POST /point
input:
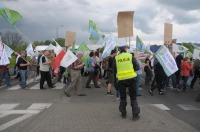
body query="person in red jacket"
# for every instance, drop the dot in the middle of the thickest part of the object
(186, 67)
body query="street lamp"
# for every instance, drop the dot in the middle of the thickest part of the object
(57, 30)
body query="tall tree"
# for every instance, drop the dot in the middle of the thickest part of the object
(12, 39)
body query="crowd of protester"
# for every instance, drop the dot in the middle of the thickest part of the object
(98, 68)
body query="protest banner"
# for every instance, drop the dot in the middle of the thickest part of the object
(166, 60)
(125, 24)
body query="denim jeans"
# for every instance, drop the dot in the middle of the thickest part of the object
(138, 78)
(7, 77)
(173, 77)
(185, 79)
(24, 77)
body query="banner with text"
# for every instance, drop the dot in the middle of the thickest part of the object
(166, 60)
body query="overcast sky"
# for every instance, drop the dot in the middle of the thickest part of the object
(42, 17)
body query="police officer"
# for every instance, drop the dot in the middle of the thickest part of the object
(125, 66)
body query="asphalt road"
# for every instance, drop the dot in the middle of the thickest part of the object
(36, 105)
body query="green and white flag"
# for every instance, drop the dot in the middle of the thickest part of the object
(166, 60)
(178, 48)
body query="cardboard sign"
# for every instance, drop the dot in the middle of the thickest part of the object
(70, 38)
(125, 24)
(168, 28)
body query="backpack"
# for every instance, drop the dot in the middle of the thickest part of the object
(105, 64)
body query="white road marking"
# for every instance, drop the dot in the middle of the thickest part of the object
(15, 121)
(8, 106)
(14, 88)
(37, 86)
(59, 86)
(161, 106)
(188, 107)
(7, 109)
(39, 106)
(20, 112)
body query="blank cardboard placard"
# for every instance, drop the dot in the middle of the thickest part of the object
(125, 24)
(168, 29)
(70, 38)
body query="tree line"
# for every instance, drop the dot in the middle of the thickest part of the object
(15, 41)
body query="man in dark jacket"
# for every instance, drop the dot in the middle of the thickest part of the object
(178, 59)
(159, 76)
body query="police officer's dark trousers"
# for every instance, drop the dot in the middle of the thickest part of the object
(131, 84)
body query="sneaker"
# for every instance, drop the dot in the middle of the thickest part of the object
(52, 87)
(27, 88)
(82, 95)
(118, 99)
(123, 115)
(151, 92)
(67, 94)
(106, 84)
(110, 94)
(161, 93)
(136, 117)
(178, 90)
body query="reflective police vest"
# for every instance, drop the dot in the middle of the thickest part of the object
(124, 66)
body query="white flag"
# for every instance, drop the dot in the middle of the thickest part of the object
(196, 54)
(1, 47)
(57, 49)
(8, 50)
(110, 45)
(50, 47)
(4, 59)
(68, 59)
(29, 50)
(178, 48)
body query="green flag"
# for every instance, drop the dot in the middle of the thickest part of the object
(194, 46)
(95, 33)
(10, 15)
(141, 47)
(83, 47)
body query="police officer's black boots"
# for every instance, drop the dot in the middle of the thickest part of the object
(135, 110)
(122, 108)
